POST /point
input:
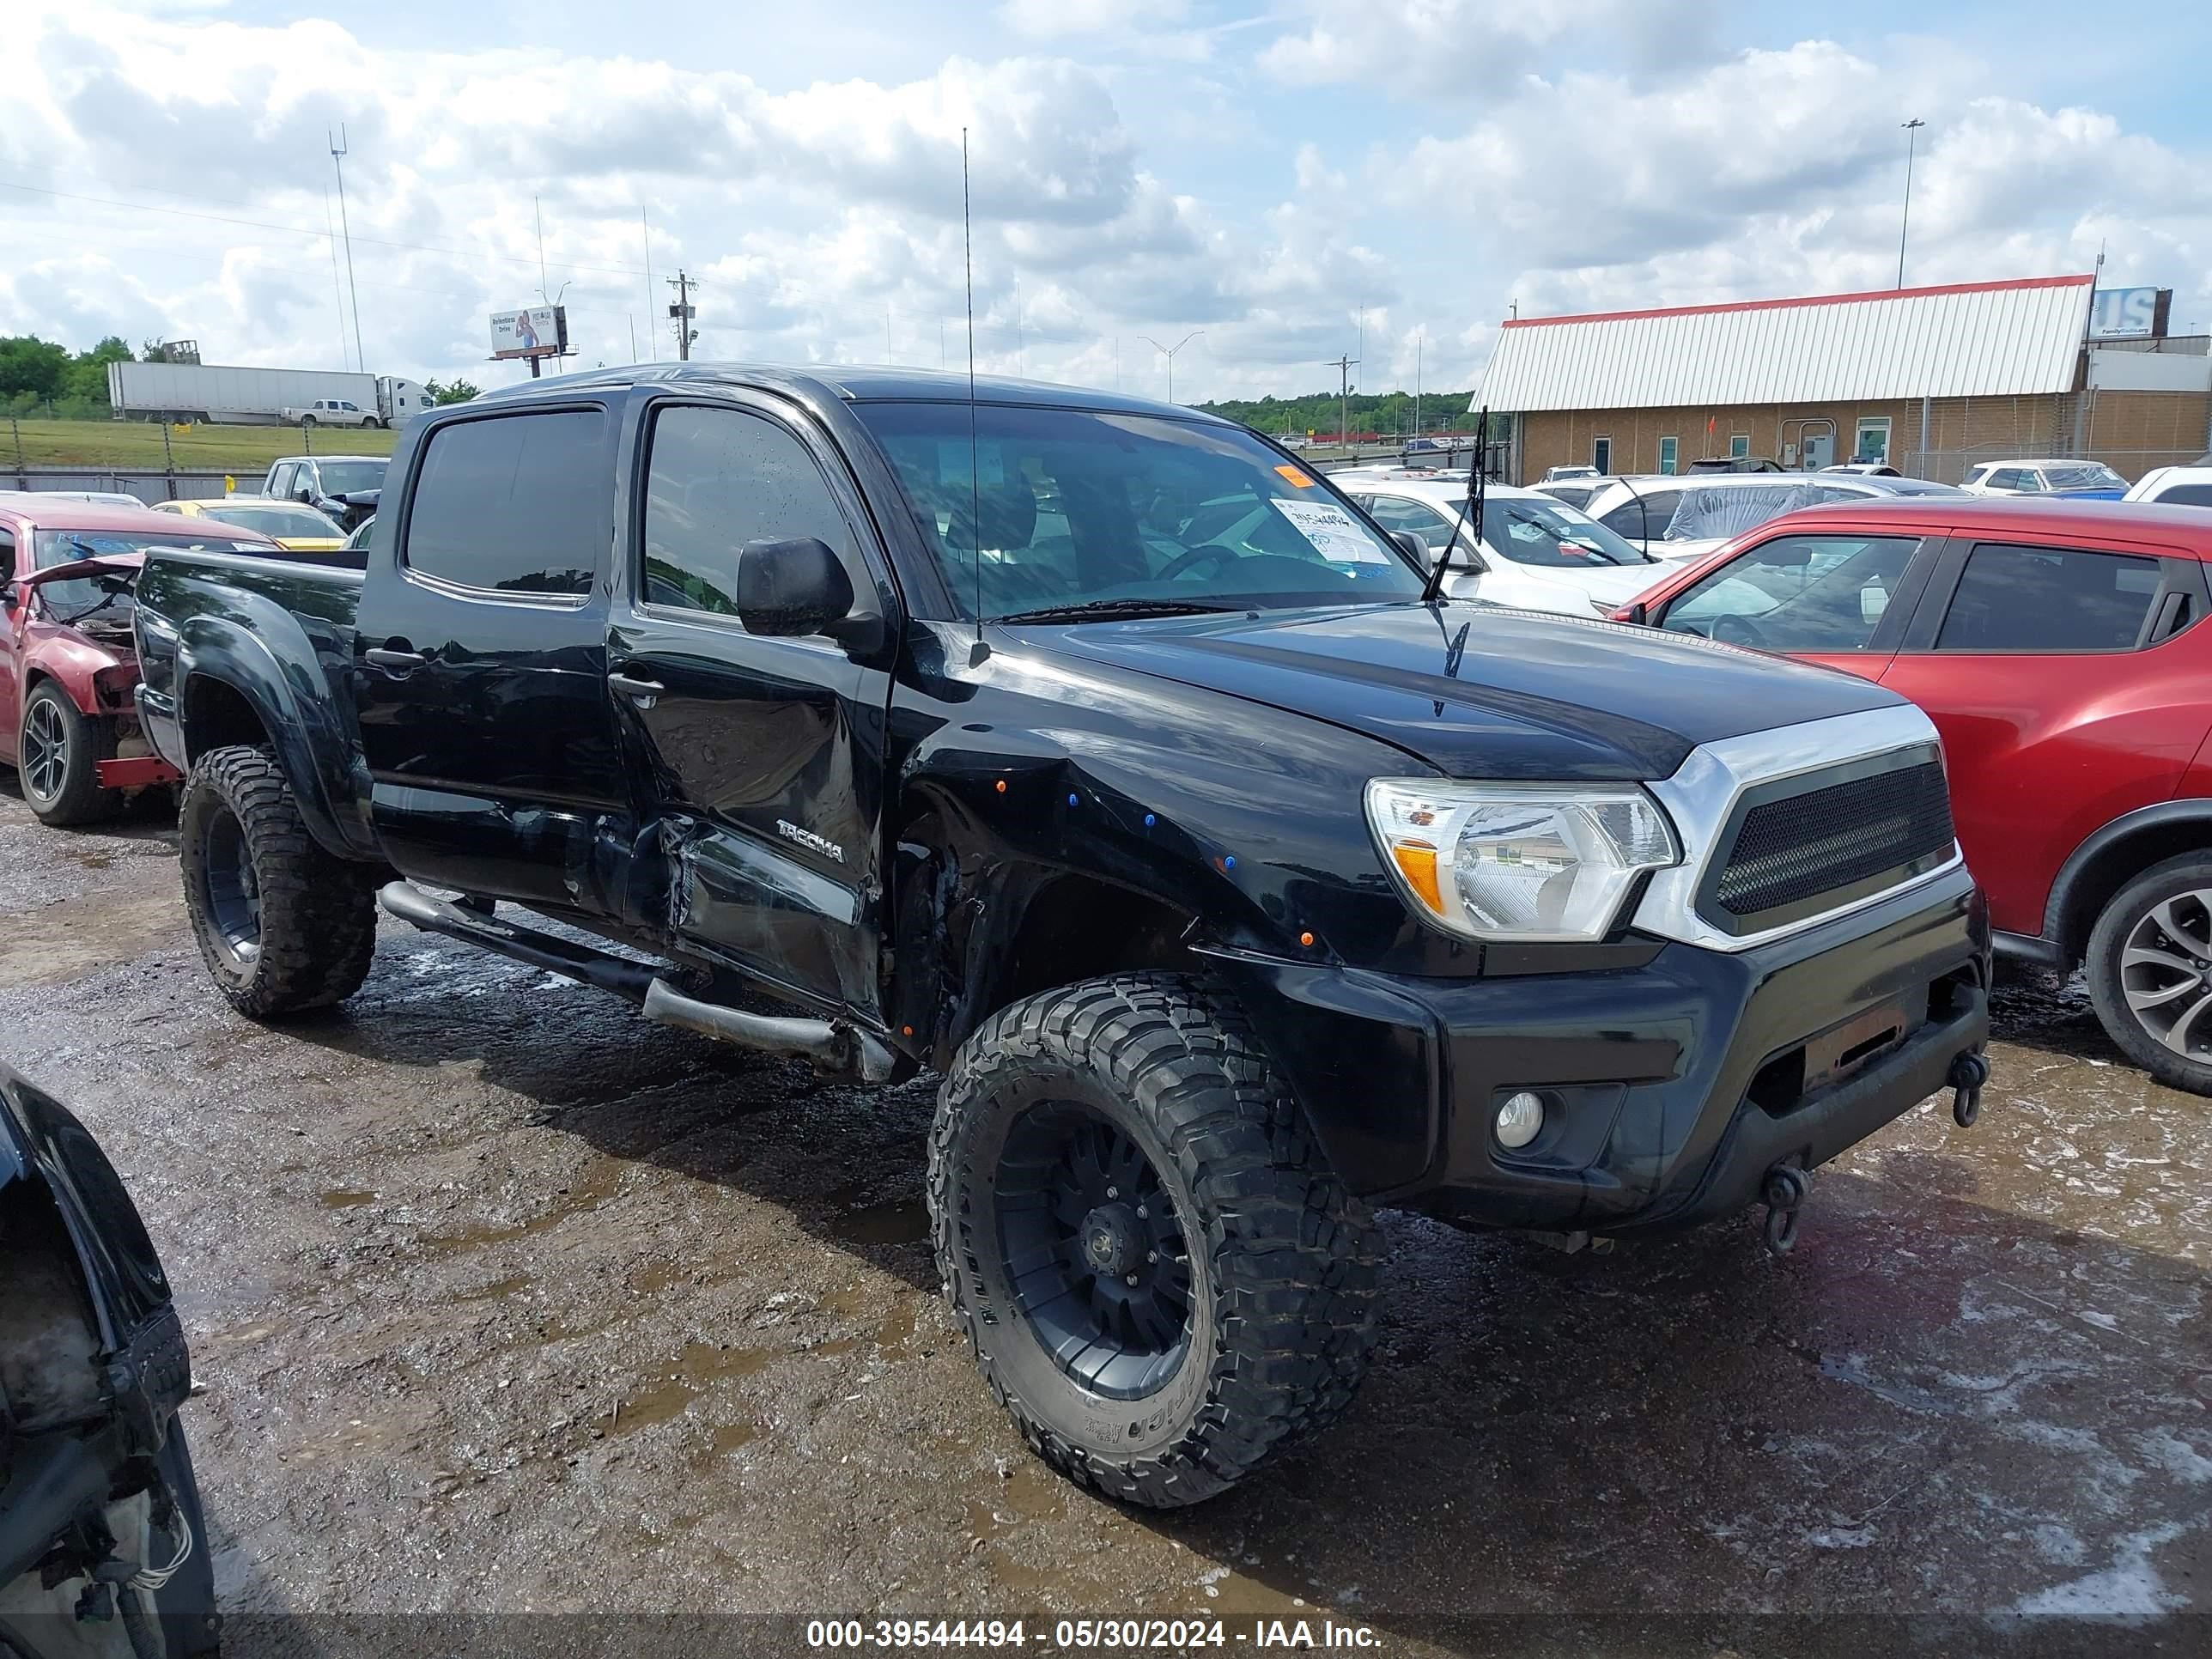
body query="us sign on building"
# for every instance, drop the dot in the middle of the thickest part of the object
(2119, 313)
(535, 331)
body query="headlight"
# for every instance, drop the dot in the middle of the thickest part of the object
(1524, 861)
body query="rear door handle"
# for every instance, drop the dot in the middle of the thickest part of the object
(395, 662)
(643, 689)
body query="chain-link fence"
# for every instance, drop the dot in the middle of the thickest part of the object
(147, 487)
(2130, 431)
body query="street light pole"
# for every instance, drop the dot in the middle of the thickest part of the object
(1912, 140)
(1170, 354)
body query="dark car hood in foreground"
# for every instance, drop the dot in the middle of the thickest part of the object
(1481, 692)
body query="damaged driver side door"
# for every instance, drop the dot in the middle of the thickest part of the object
(757, 761)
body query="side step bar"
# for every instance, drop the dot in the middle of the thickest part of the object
(836, 1047)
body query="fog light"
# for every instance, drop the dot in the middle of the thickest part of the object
(1520, 1118)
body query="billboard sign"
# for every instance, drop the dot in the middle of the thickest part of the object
(2119, 313)
(535, 331)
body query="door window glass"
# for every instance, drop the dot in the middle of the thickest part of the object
(2186, 494)
(1601, 454)
(1873, 439)
(2049, 598)
(517, 504)
(1396, 513)
(1798, 593)
(719, 478)
(1738, 444)
(1670, 453)
(1644, 517)
(280, 481)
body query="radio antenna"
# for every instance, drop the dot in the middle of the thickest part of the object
(974, 464)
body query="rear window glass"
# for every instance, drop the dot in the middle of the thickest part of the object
(2048, 598)
(2185, 495)
(516, 504)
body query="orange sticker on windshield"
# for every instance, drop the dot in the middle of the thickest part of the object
(1297, 479)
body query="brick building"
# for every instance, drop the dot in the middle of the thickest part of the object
(1931, 379)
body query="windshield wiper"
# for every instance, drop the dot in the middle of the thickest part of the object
(1099, 610)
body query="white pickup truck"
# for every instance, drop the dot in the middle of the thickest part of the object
(333, 411)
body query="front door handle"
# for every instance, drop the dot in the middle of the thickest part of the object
(644, 690)
(395, 662)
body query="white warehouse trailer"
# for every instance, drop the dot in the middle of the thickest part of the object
(252, 397)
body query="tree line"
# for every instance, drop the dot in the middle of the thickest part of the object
(1324, 412)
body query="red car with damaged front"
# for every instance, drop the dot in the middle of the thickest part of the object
(68, 666)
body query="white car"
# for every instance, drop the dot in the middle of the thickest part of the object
(1560, 474)
(333, 411)
(2177, 486)
(1680, 518)
(1536, 554)
(2069, 480)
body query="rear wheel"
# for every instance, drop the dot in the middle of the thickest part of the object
(2150, 971)
(1163, 1280)
(281, 925)
(309, 420)
(58, 755)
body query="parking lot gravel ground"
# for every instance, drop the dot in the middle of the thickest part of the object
(506, 1300)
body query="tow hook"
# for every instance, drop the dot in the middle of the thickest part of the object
(1969, 1072)
(1787, 1189)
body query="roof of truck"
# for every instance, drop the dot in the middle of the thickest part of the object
(854, 383)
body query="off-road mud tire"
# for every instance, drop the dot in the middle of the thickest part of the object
(1283, 1260)
(317, 914)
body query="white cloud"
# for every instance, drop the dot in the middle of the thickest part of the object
(1577, 155)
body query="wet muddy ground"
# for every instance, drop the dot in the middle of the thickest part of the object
(506, 1299)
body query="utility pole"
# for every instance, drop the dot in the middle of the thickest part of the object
(338, 151)
(338, 289)
(646, 230)
(1912, 140)
(1343, 366)
(682, 310)
(1171, 355)
(1419, 340)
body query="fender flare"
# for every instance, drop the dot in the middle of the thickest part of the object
(2101, 840)
(311, 747)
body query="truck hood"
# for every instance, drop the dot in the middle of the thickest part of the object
(1481, 692)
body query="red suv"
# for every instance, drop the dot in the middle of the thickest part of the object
(2060, 649)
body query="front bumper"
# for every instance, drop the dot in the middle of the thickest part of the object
(1669, 1081)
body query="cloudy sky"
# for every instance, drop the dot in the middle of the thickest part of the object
(1258, 170)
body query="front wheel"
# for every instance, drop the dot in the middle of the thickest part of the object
(281, 925)
(2150, 971)
(1161, 1278)
(58, 756)
(372, 423)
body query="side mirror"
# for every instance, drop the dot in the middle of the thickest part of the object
(304, 495)
(797, 586)
(1640, 614)
(10, 595)
(1414, 547)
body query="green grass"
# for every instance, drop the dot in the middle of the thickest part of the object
(135, 445)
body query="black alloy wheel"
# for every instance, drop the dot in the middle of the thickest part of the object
(1094, 1249)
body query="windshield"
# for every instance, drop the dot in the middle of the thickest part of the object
(1538, 533)
(301, 523)
(1079, 508)
(344, 477)
(2092, 476)
(65, 600)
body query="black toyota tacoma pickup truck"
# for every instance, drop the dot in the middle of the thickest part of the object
(1099, 755)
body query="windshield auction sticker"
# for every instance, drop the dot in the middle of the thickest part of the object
(1335, 533)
